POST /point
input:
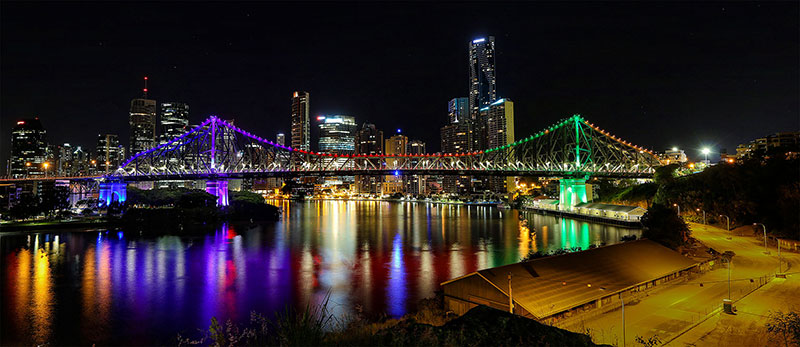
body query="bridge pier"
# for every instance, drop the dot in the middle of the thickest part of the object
(572, 192)
(218, 188)
(111, 191)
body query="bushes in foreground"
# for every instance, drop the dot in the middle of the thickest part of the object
(481, 326)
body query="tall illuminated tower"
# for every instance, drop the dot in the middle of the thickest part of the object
(301, 136)
(482, 82)
(143, 123)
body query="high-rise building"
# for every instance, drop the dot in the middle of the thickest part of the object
(482, 83)
(280, 139)
(499, 120)
(397, 144)
(301, 136)
(458, 110)
(143, 125)
(64, 160)
(337, 134)
(174, 120)
(369, 140)
(108, 153)
(415, 184)
(29, 150)
(455, 138)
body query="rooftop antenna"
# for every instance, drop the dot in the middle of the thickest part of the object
(145, 87)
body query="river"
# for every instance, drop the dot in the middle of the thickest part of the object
(116, 287)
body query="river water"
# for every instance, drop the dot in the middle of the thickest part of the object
(116, 287)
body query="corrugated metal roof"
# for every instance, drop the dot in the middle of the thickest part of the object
(550, 285)
(608, 207)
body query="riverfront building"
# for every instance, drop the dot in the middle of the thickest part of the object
(28, 149)
(174, 120)
(301, 137)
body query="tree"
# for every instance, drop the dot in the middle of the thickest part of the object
(663, 225)
(55, 199)
(785, 325)
(27, 206)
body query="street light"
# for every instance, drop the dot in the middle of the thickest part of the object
(679, 209)
(729, 221)
(766, 251)
(705, 152)
(704, 215)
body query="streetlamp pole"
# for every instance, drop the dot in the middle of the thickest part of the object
(729, 221)
(729, 277)
(766, 250)
(623, 318)
(679, 209)
(704, 215)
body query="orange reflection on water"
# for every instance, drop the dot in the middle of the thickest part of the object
(23, 285)
(42, 297)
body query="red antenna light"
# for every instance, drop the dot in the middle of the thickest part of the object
(145, 87)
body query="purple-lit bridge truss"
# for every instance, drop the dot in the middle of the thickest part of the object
(571, 148)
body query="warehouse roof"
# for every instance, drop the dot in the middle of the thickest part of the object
(547, 286)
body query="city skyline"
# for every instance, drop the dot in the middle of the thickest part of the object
(423, 111)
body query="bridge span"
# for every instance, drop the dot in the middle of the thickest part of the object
(217, 151)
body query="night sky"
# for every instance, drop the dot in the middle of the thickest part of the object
(656, 74)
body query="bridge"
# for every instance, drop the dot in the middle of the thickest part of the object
(216, 151)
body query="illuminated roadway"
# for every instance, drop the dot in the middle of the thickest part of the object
(671, 312)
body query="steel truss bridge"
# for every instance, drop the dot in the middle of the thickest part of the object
(573, 147)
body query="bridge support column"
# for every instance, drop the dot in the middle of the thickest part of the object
(111, 191)
(218, 188)
(572, 192)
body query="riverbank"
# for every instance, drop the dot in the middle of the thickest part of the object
(458, 203)
(595, 219)
(90, 222)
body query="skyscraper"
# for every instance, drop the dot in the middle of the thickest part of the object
(174, 120)
(415, 184)
(29, 150)
(108, 154)
(482, 83)
(143, 125)
(301, 138)
(499, 118)
(369, 140)
(455, 138)
(337, 134)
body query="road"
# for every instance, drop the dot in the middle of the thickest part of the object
(671, 313)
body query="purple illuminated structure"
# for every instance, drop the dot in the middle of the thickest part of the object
(218, 188)
(111, 191)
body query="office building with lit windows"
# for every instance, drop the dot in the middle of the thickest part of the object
(301, 137)
(482, 83)
(174, 120)
(108, 153)
(369, 141)
(142, 125)
(397, 144)
(28, 149)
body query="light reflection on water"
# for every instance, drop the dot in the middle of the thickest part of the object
(116, 287)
